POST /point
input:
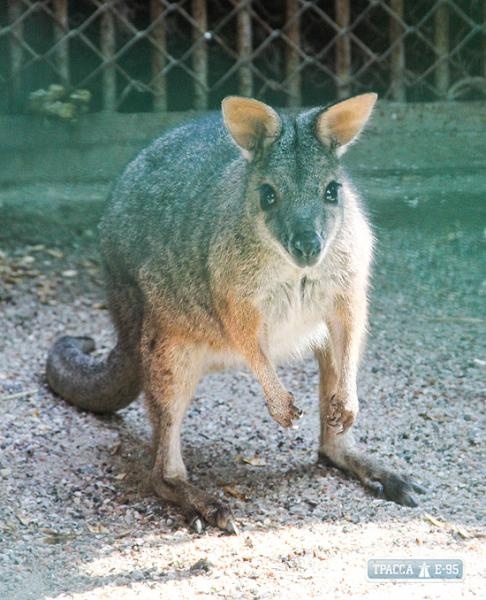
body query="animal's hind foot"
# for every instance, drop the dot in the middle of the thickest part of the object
(382, 482)
(214, 513)
(399, 489)
(198, 525)
(199, 508)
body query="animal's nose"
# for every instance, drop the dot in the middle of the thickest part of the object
(306, 246)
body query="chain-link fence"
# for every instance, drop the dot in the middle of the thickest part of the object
(161, 55)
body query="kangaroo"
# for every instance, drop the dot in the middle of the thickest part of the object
(227, 242)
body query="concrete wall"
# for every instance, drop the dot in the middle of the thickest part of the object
(418, 138)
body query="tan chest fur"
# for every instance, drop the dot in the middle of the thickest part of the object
(294, 316)
(293, 319)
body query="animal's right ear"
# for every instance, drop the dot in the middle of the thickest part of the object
(252, 124)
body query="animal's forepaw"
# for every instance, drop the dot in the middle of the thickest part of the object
(341, 414)
(284, 410)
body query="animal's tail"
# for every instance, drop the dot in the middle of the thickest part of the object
(96, 385)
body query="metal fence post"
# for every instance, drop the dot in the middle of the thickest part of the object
(397, 56)
(61, 29)
(200, 54)
(158, 54)
(108, 49)
(292, 57)
(343, 49)
(244, 48)
(441, 44)
(16, 51)
(483, 49)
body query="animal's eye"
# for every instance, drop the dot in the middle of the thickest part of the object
(331, 193)
(268, 196)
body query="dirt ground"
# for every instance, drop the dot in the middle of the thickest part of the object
(77, 518)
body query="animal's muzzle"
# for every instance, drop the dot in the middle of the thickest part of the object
(306, 247)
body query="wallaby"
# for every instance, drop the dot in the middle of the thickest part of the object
(227, 242)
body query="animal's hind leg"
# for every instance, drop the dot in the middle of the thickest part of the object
(171, 372)
(339, 449)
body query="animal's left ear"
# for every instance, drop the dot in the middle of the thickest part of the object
(339, 125)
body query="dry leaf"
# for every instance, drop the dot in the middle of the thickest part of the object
(23, 520)
(463, 533)
(99, 306)
(44, 291)
(433, 520)
(56, 537)
(55, 253)
(231, 490)
(97, 528)
(254, 461)
(115, 448)
(18, 395)
(451, 527)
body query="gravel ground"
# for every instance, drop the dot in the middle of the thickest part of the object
(77, 518)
